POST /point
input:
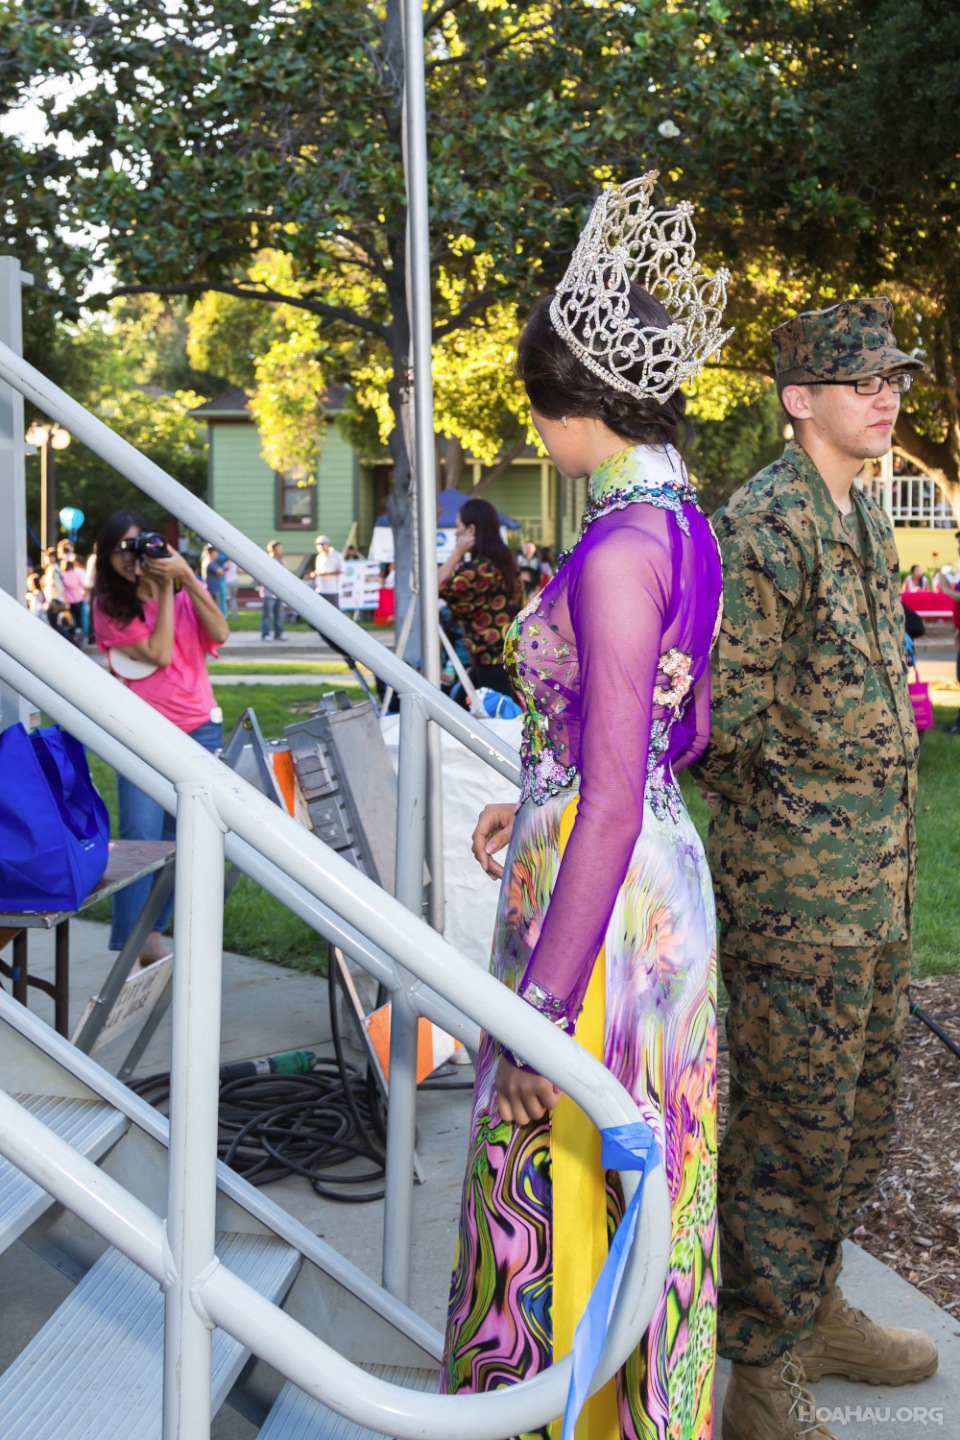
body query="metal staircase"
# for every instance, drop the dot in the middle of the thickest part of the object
(191, 1286)
(94, 1371)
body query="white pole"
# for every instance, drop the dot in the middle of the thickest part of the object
(194, 1100)
(402, 1090)
(13, 530)
(418, 269)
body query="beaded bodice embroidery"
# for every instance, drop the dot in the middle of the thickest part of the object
(540, 648)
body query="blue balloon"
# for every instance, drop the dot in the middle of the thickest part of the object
(71, 519)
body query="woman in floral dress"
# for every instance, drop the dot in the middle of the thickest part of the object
(482, 586)
(611, 663)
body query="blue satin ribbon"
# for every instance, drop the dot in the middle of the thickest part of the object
(624, 1147)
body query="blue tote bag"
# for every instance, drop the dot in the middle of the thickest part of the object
(54, 826)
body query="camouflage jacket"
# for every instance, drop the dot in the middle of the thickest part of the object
(813, 743)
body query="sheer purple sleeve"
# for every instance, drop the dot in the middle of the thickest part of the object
(619, 597)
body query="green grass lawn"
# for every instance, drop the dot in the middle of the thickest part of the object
(936, 932)
(256, 924)
(274, 667)
(249, 620)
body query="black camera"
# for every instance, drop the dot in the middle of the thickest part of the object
(148, 545)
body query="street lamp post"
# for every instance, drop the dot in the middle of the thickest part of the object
(48, 439)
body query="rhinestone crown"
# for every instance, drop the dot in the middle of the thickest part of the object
(627, 240)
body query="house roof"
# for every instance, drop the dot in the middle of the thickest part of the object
(235, 405)
(231, 403)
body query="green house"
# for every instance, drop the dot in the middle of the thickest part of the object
(266, 505)
(348, 493)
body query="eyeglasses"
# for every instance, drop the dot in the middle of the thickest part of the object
(871, 384)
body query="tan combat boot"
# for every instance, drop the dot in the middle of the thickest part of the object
(846, 1342)
(770, 1402)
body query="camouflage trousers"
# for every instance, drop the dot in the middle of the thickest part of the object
(815, 1035)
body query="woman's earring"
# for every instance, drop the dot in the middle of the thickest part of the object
(563, 421)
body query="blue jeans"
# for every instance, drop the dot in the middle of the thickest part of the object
(143, 819)
(271, 615)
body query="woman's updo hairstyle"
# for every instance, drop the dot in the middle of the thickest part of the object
(559, 384)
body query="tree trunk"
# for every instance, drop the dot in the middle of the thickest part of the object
(938, 458)
(454, 461)
(503, 464)
(402, 519)
(399, 510)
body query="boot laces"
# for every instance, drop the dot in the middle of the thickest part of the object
(801, 1400)
(851, 1314)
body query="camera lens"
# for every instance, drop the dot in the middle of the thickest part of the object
(153, 547)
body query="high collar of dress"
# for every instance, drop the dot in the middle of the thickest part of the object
(641, 467)
(654, 474)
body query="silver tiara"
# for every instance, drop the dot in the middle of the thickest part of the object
(626, 240)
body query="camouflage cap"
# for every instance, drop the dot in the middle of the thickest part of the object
(847, 342)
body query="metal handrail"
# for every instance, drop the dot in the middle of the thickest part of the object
(256, 1202)
(192, 511)
(212, 800)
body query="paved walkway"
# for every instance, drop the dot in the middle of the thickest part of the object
(269, 1009)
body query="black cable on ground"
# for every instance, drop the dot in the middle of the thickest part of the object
(932, 1025)
(317, 1126)
(328, 1126)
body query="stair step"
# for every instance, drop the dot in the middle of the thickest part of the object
(297, 1416)
(95, 1370)
(90, 1126)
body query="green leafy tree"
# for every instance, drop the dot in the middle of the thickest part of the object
(903, 99)
(733, 445)
(207, 134)
(873, 86)
(128, 367)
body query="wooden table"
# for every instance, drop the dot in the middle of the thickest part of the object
(130, 860)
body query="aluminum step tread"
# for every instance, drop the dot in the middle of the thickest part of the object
(90, 1126)
(297, 1416)
(95, 1370)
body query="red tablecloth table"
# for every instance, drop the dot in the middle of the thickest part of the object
(929, 603)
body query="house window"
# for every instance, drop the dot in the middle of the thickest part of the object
(296, 502)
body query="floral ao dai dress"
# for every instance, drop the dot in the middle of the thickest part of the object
(611, 660)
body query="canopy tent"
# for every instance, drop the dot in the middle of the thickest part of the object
(448, 508)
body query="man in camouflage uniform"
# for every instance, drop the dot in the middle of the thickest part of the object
(812, 761)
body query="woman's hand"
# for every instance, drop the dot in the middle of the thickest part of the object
(493, 831)
(166, 569)
(211, 617)
(465, 542)
(522, 1097)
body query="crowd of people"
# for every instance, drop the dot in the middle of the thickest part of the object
(59, 590)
